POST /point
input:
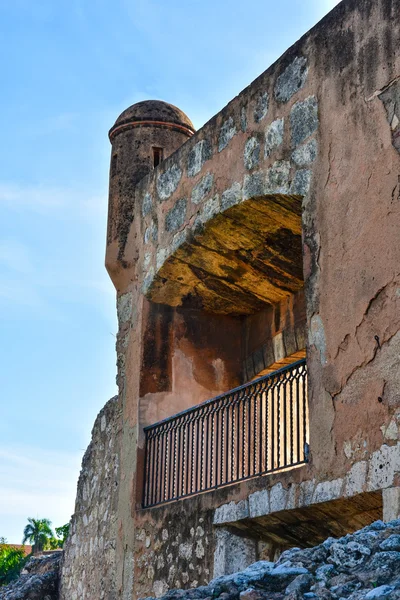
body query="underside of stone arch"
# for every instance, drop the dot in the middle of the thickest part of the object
(239, 262)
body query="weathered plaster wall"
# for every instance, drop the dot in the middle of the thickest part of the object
(321, 124)
(88, 568)
(273, 334)
(188, 357)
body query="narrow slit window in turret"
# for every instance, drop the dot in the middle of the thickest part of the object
(158, 156)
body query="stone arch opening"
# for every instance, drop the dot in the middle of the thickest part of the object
(243, 259)
(224, 309)
(239, 277)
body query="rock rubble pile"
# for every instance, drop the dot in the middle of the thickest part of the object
(363, 565)
(39, 580)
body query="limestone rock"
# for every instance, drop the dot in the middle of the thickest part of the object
(38, 581)
(361, 566)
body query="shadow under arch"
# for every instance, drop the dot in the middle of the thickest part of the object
(226, 307)
(237, 263)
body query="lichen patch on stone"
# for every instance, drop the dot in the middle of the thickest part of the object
(304, 120)
(200, 153)
(251, 153)
(228, 130)
(274, 136)
(261, 107)
(291, 80)
(231, 196)
(175, 217)
(305, 154)
(168, 182)
(277, 179)
(203, 188)
(147, 204)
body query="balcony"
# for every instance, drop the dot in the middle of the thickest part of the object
(256, 429)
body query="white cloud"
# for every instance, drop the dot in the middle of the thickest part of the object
(20, 293)
(37, 197)
(36, 483)
(37, 277)
(65, 202)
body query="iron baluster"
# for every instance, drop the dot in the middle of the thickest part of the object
(230, 438)
(285, 423)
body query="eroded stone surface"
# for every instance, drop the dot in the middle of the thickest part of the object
(252, 153)
(124, 307)
(39, 580)
(243, 118)
(261, 107)
(203, 188)
(278, 498)
(291, 80)
(274, 136)
(231, 512)
(209, 209)
(354, 566)
(168, 182)
(147, 204)
(391, 100)
(175, 217)
(304, 120)
(259, 503)
(228, 130)
(301, 182)
(231, 196)
(90, 547)
(151, 233)
(254, 185)
(356, 478)
(232, 552)
(391, 503)
(199, 154)
(385, 462)
(328, 490)
(305, 154)
(277, 179)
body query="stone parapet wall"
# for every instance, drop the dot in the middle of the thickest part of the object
(264, 142)
(88, 567)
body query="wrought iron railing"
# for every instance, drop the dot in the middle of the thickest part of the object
(258, 428)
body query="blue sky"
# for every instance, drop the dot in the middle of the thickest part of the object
(68, 69)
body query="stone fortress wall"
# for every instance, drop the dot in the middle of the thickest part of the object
(89, 554)
(307, 158)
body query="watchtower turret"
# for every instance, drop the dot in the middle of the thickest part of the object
(143, 136)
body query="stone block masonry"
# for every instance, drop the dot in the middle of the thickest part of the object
(88, 568)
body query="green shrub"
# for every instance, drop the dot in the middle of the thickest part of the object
(12, 561)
